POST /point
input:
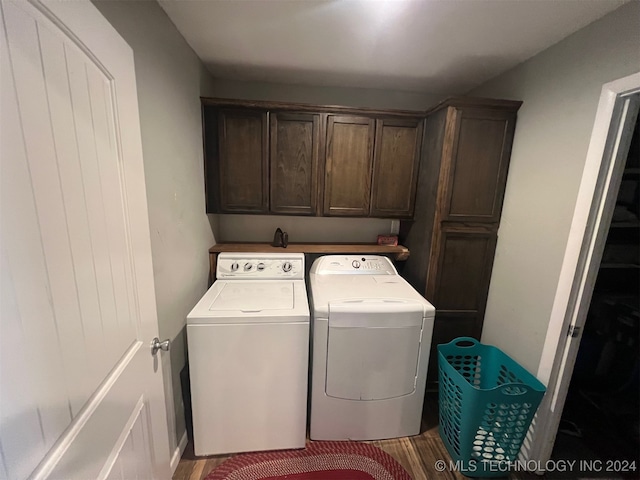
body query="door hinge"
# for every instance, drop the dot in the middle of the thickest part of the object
(574, 331)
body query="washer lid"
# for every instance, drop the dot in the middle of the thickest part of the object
(252, 301)
(248, 296)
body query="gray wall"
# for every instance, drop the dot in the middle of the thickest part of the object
(260, 228)
(257, 228)
(170, 80)
(351, 97)
(560, 88)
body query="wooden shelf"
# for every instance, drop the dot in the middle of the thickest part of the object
(399, 252)
(627, 224)
(619, 265)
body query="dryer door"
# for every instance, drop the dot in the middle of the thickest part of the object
(373, 348)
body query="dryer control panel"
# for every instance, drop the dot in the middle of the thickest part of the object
(353, 264)
(260, 266)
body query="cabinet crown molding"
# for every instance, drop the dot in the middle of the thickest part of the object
(458, 102)
(476, 102)
(308, 107)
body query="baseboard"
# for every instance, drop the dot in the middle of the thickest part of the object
(177, 454)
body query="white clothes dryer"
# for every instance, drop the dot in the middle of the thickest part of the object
(248, 344)
(370, 350)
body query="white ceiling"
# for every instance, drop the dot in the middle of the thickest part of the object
(431, 46)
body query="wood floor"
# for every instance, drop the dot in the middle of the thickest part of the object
(416, 454)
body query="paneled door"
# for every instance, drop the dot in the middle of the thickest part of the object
(395, 169)
(244, 176)
(477, 173)
(295, 140)
(458, 283)
(81, 394)
(349, 158)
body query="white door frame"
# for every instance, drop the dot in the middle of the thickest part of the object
(591, 219)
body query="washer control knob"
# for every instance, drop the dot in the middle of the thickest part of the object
(286, 266)
(234, 266)
(355, 264)
(248, 267)
(260, 267)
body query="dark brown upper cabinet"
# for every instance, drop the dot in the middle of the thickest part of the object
(298, 159)
(294, 153)
(395, 167)
(243, 161)
(477, 170)
(348, 167)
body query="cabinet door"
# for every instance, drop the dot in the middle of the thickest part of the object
(461, 262)
(210, 130)
(477, 170)
(458, 282)
(294, 162)
(244, 176)
(397, 152)
(348, 165)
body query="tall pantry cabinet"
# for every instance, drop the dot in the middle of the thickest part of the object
(453, 236)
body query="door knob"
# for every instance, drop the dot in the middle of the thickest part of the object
(156, 345)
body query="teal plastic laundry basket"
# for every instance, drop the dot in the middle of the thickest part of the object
(487, 402)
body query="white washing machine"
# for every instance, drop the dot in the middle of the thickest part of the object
(248, 341)
(371, 340)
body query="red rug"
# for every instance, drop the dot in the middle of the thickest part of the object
(318, 461)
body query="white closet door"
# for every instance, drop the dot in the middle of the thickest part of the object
(81, 395)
